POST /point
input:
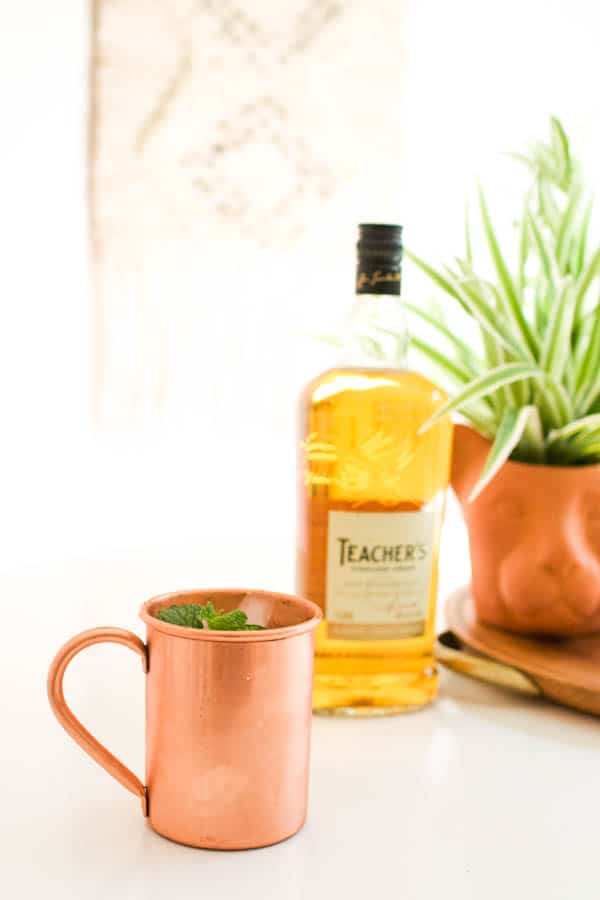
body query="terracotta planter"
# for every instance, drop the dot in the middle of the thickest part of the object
(534, 533)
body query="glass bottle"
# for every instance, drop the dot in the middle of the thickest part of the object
(371, 503)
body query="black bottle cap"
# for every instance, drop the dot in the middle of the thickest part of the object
(379, 269)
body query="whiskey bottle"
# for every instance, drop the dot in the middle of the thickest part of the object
(371, 502)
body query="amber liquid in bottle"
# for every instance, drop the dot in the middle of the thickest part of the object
(371, 502)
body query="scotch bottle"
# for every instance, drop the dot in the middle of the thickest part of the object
(371, 502)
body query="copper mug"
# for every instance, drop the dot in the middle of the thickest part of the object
(228, 719)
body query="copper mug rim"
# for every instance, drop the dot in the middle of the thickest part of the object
(274, 633)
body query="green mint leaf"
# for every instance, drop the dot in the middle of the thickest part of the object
(188, 615)
(236, 620)
(207, 611)
(191, 615)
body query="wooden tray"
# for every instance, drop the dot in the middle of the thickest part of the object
(565, 671)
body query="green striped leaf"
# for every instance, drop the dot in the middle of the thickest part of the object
(583, 283)
(495, 356)
(468, 246)
(545, 251)
(548, 208)
(486, 314)
(586, 375)
(510, 430)
(563, 238)
(532, 444)
(541, 305)
(560, 144)
(558, 401)
(451, 367)
(481, 413)
(436, 276)
(581, 243)
(586, 424)
(485, 425)
(576, 449)
(585, 318)
(556, 348)
(508, 288)
(484, 385)
(524, 246)
(590, 397)
(466, 355)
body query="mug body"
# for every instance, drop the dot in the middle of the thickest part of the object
(228, 719)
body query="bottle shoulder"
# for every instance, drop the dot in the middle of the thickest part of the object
(348, 379)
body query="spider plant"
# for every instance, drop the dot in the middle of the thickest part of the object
(531, 382)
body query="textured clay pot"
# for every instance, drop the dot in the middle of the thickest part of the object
(534, 534)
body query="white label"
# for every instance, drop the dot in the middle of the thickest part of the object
(378, 573)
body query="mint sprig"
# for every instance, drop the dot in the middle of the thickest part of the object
(191, 615)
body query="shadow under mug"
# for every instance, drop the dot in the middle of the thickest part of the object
(228, 719)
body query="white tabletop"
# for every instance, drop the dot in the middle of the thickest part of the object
(484, 795)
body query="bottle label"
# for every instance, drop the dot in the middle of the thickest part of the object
(378, 574)
(374, 279)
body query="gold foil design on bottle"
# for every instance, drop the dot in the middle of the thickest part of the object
(368, 471)
(373, 279)
(371, 470)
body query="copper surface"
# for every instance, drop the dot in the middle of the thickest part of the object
(228, 719)
(71, 723)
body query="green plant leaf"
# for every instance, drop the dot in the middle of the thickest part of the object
(576, 454)
(508, 288)
(541, 342)
(509, 433)
(556, 348)
(468, 358)
(560, 144)
(477, 301)
(583, 283)
(484, 385)
(545, 251)
(522, 158)
(585, 317)
(586, 376)
(468, 246)
(589, 398)
(575, 449)
(532, 445)
(581, 243)
(482, 423)
(548, 208)
(565, 232)
(453, 368)
(524, 246)
(435, 276)
(586, 424)
(554, 402)
(515, 394)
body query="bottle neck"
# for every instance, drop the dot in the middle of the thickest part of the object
(376, 333)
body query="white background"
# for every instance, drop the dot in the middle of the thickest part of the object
(480, 78)
(93, 517)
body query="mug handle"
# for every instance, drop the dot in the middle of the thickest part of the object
(71, 723)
